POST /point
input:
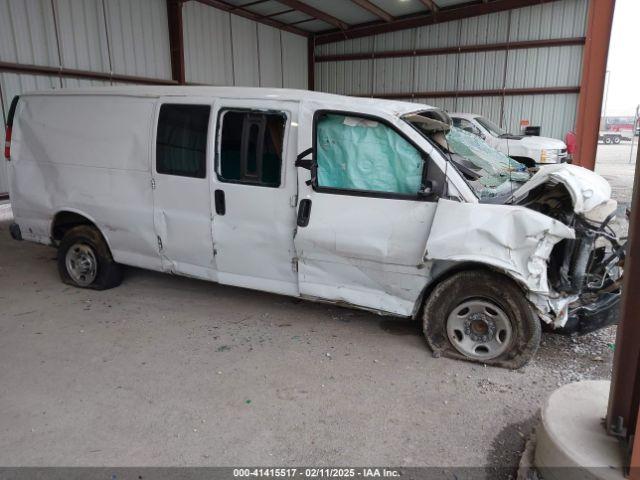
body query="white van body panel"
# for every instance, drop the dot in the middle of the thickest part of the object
(182, 209)
(254, 239)
(75, 153)
(92, 152)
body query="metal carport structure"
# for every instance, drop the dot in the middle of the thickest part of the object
(506, 59)
(46, 43)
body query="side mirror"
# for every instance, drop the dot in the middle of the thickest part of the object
(429, 189)
(306, 163)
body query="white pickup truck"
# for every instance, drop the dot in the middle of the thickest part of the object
(529, 150)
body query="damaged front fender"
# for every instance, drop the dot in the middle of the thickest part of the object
(516, 240)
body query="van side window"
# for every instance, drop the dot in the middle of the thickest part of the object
(361, 154)
(181, 144)
(250, 147)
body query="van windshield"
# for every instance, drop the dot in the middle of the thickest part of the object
(491, 174)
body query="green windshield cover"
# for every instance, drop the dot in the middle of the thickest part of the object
(355, 153)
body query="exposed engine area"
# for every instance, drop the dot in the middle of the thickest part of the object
(591, 265)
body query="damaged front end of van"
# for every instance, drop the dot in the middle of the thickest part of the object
(584, 273)
(552, 230)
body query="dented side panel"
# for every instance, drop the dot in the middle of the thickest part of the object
(365, 251)
(253, 239)
(182, 209)
(514, 239)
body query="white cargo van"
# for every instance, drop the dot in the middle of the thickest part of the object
(375, 204)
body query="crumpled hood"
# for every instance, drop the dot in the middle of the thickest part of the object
(588, 190)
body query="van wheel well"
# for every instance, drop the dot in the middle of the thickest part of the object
(442, 276)
(65, 221)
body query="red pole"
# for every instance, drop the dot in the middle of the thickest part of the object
(594, 68)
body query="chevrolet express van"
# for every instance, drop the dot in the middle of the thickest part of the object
(369, 203)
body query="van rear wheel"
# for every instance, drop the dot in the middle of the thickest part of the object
(84, 260)
(481, 316)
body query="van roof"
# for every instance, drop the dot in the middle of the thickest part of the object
(388, 106)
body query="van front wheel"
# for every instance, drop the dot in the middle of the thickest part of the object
(84, 260)
(481, 316)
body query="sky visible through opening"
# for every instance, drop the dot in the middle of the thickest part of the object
(623, 95)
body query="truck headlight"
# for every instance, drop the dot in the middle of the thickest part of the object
(550, 156)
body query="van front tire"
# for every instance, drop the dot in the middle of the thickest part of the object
(481, 316)
(84, 260)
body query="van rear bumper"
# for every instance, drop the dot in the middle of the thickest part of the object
(14, 230)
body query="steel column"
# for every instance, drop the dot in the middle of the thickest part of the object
(634, 462)
(624, 397)
(311, 63)
(594, 67)
(176, 40)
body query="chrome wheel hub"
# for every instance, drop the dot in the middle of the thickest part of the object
(81, 264)
(479, 329)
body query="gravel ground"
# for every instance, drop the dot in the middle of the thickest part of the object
(172, 371)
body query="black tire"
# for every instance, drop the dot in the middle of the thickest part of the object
(607, 140)
(616, 140)
(108, 274)
(488, 288)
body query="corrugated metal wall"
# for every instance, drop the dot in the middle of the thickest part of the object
(119, 36)
(131, 38)
(225, 49)
(532, 68)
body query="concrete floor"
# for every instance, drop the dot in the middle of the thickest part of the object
(171, 371)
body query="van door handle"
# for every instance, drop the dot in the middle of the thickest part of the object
(304, 212)
(221, 206)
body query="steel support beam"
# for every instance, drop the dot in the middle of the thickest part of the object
(241, 11)
(73, 73)
(374, 9)
(176, 40)
(411, 21)
(314, 12)
(594, 68)
(475, 93)
(427, 52)
(430, 4)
